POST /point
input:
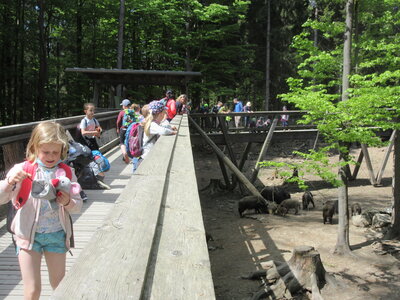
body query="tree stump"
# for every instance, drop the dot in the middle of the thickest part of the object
(303, 272)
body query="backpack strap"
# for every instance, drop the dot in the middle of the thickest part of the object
(26, 185)
(67, 169)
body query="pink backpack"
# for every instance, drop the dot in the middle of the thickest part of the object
(135, 140)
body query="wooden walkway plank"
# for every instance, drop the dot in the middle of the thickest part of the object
(85, 224)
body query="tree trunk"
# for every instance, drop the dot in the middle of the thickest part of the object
(58, 101)
(41, 97)
(394, 230)
(120, 42)
(188, 62)
(342, 244)
(79, 34)
(27, 115)
(6, 107)
(304, 270)
(267, 58)
(347, 50)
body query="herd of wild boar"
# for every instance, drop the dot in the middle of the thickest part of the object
(284, 204)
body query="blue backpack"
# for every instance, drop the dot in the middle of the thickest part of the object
(101, 161)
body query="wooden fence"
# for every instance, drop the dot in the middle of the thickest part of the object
(14, 138)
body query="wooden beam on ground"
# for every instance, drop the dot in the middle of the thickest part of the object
(227, 143)
(358, 165)
(224, 173)
(264, 149)
(227, 140)
(252, 189)
(385, 159)
(244, 156)
(364, 149)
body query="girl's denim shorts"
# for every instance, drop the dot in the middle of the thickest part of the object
(50, 242)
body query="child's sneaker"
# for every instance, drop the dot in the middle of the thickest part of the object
(83, 196)
(103, 185)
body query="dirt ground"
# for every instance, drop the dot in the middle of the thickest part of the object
(243, 245)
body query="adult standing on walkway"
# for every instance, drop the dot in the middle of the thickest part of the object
(238, 107)
(170, 103)
(215, 110)
(247, 108)
(284, 118)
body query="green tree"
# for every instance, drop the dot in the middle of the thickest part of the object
(371, 96)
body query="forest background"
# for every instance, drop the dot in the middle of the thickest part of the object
(255, 50)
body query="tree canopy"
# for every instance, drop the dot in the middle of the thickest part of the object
(223, 39)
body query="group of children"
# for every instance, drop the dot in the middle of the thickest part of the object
(154, 119)
(42, 225)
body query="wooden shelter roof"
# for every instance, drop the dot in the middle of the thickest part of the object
(142, 77)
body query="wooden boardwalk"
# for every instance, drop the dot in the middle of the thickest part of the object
(91, 217)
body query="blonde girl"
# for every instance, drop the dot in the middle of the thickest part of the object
(39, 229)
(181, 103)
(155, 125)
(145, 111)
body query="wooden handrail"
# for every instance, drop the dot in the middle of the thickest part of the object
(68, 122)
(154, 233)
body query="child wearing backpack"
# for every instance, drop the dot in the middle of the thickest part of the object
(155, 125)
(40, 226)
(90, 127)
(125, 117)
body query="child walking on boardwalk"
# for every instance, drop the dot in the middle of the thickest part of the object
(90, 127)
(42, 226)
(155, 125)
